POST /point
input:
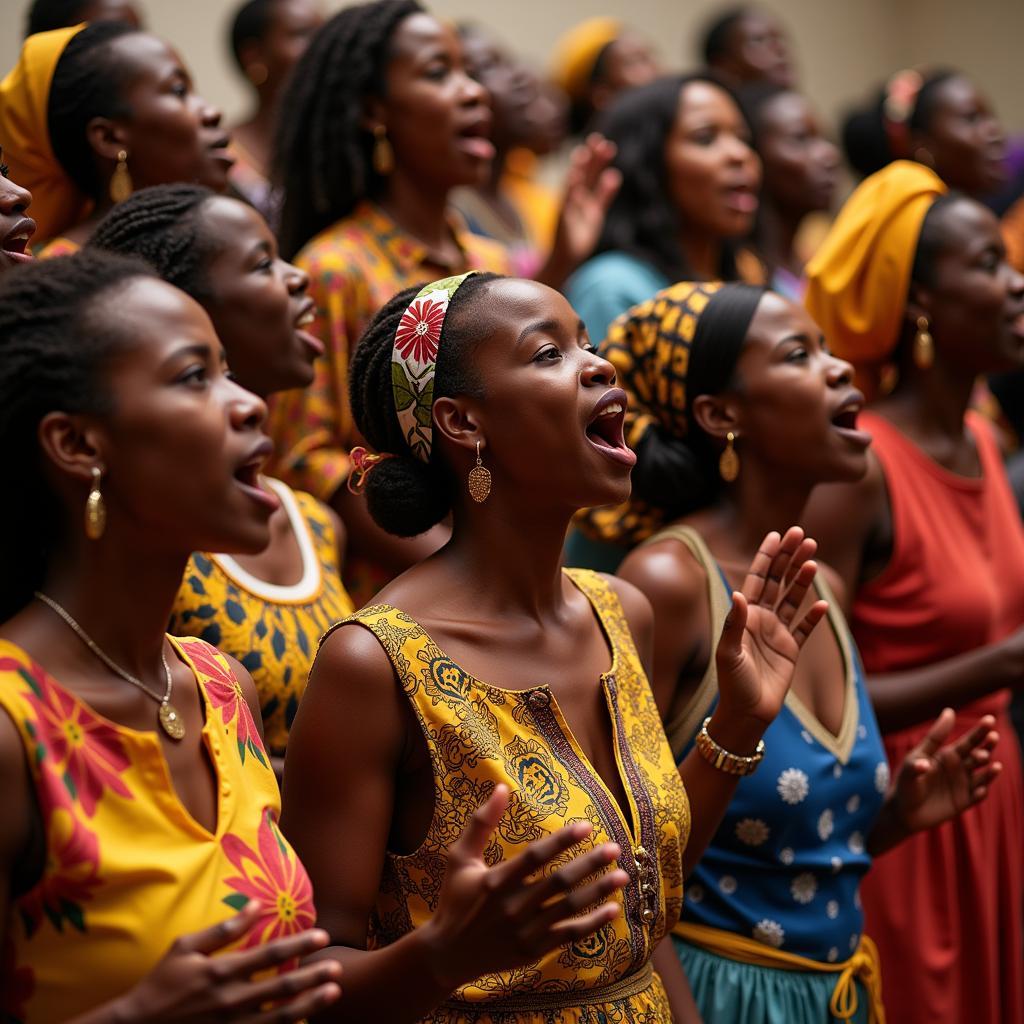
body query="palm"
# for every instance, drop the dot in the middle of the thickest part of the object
(590, 188)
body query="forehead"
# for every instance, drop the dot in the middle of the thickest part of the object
(756, 23)
(146, 54)
(958, 91)
(518, 302)
(418, 31)
(777, 317)
(480, 48)
(290, 14)
(700, 101)
(233, 223)
(785, 109)
(967, 224)
(155, 314)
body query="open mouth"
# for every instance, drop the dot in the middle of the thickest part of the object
(306, 317)
(15, 244)
(475, 139)
(742, 198)
(221, 151)
(606, 432)
(247, 476)
(844, 421)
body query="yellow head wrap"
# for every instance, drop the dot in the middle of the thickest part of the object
(857, 282)
(577, 51)
(57, 203)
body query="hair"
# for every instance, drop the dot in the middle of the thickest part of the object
(678, 474)
(752, 98)
(323, 152)
(865, 139)
(932, 239)
(405, 495)
(717, 35)
(162, 225)
(250, 24)
(641, 217)
(46, 15)
(581, 109)
(55, 343)
(88, 82)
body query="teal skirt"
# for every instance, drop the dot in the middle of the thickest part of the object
(728, 992)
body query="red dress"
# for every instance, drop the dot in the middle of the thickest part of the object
(946, 908)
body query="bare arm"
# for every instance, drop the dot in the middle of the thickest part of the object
(677, 987)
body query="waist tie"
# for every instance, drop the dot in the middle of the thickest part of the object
(862, 965)
(623, 989)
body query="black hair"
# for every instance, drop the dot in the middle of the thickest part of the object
(405, 495)
(642, 219)
(717, 38)
(680, 475)
(932, 239)
(88, 82)
(753, 98)
(163, 226)
(55, 343)
(581, 110)
(323, 152)
(46, 15)
(250, 23)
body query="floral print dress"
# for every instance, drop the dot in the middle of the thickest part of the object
(127, 869)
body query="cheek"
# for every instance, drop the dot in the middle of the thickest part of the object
(690, 180)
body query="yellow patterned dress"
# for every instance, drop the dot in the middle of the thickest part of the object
(481, 735)
(127, 869)
(272, 630)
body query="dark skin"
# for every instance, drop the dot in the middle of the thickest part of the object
(16, 227)
(758, 51)
(267, 63)
(801, 171)
(974, 309)
(169, 453)
(627, 62)
(794, 413)
(170, 135)
(111, 10)
(713, 174)
(496, 600)
(965, 142)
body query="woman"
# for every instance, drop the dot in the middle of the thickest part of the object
(912, 286)
(89, 114)
(16, 229)
(467, 414)
(689, 191)
(44, 15)
(937, 118)
(772, 920)
(384, 122)
(139, 812)
(801, 171)
(268, 609)
(747, 45)
(267, 38)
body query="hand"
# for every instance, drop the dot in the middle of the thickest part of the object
(936, 782)
(495, 918)
(762, 637)
(190, 986)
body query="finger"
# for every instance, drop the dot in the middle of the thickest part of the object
(785, 556)
(511, 873)
(937, 734)
(299, 1009)
(245, 962)
(580, 927)
(986, 775)
(731, 641)
(482, 823)
(979, 735)
(567, 878)
(796, 592)
(209, 940)
(608, 187)
(805, 627)
(597, 892)
(757, 574)
(285, 987)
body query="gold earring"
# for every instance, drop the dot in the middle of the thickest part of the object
(95, 509)
(729, 461)
(383, 154)
(924, 347)
(479, 480)
(257, 73)
(121, 179)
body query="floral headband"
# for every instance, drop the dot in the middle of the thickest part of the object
(414, 361)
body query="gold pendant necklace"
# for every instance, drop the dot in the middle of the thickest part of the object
(167, 714)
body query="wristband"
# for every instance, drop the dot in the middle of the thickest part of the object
(720, 758)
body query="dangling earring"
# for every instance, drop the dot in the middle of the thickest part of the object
(257, 73)
(383, 154)
(121, 180)
(729, 461)
(924, 347)
(95, 509)
(479, 480)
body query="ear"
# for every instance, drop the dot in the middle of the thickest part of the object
(459, 421)
(107, 138)
(71, 445)
(920, 302)
(373, 113)
(250, 52)
(716, 415)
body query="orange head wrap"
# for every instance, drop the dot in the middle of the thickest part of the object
(57, 203)
(577, 51)
(857, 283)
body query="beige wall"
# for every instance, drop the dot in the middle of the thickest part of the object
(843, 46)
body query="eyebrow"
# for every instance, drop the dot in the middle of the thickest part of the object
(549, 326)
(798, 336)
(196, 349)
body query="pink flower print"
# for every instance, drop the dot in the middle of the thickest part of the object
(274, 876)
(419, 331)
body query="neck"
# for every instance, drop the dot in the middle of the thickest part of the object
(935, 400)
(703, 254)
(493, 185)
(776, 236)
(418, 209)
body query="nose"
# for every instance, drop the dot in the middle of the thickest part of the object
(830, 156)
(246, 411)
(473, 93)
(597, 371)
(1015, 285)
(839, 372)
(13, 198)
(296, 278)
(210, 115)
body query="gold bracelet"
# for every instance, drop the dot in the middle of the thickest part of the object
(720, 758)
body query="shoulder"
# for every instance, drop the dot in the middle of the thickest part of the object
(668, 574)
(351, 650)
(636, 608)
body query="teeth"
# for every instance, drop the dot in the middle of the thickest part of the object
(306, 319)
(611, 410)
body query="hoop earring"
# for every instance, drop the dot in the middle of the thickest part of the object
(383, 154)
(95, 508)
(924, 347)
(479, 480)
(729, 461)
(121, 180)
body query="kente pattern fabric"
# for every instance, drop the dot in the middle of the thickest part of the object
(272, 630)
(480, 735)
(127, 868)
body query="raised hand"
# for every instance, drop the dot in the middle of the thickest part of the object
(191, 986)
(495, 918)
(763, 634)
(936, 782)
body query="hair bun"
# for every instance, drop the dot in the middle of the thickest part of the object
(407, 496)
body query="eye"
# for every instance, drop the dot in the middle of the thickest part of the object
(437, 70)
(264, 264)
(548, 354)
(194, 376)
(180, 89)
(797, 355)
(705, 137)
(590, 348)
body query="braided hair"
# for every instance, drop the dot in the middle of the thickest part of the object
(163, 226)
(405, 495)
(89, 81)
(55, 344)
(323, 152)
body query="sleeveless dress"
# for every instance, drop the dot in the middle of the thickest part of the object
(127, 869)
(947, 907)
(272, 630)
(786, 863)
(480, 735)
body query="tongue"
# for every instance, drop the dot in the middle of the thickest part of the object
(478, 146)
